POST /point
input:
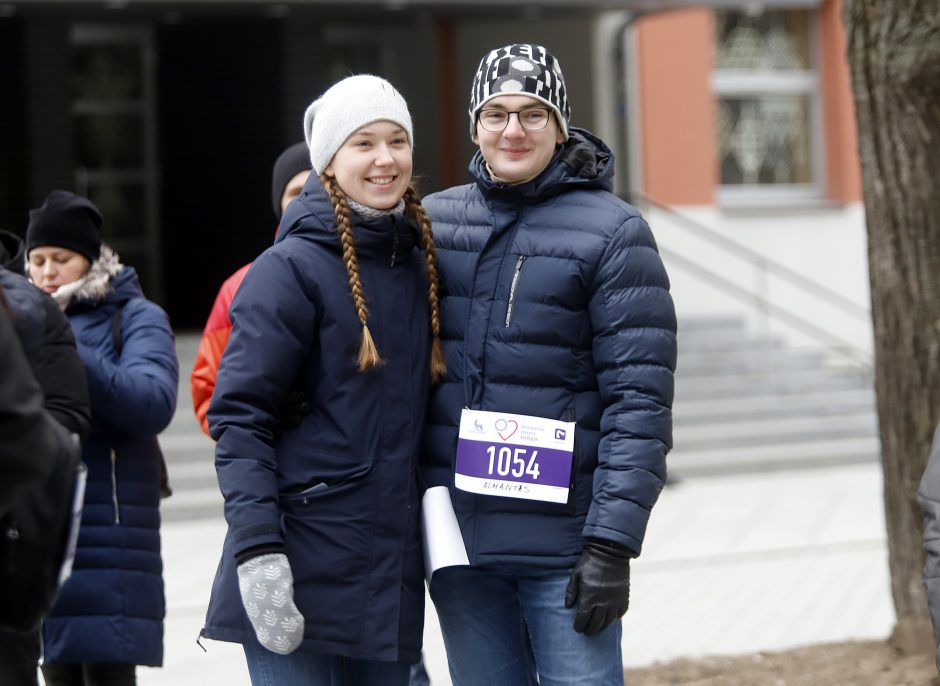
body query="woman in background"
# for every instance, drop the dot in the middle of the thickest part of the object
(109, 615)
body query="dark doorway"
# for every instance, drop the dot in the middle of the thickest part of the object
(220, 132)
(13, 158)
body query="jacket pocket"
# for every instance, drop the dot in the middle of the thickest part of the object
(514, 284)
(324, 486)
(305, 496)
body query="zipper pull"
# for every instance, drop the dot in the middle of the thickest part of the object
(511, 301)
(394, 245)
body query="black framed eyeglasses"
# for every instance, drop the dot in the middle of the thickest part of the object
(530, 118)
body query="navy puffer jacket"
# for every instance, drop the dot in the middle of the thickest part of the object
(339, 492)
(112, 606)
(555, 304)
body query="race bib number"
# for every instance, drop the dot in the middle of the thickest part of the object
(514, 456)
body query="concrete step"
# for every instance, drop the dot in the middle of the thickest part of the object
(188, 503)
(185, 439)
(722, 362)
(822, 402)
(690, 326)
(728, 341)
(725, 460)
(196, 473)
(759, 384)
(796, 431)
(190, 458)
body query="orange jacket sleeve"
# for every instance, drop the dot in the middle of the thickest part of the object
(211, 346)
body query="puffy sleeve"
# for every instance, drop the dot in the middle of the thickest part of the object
(634, 350)
(136, 393)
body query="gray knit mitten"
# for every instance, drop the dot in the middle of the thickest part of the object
(267, 588)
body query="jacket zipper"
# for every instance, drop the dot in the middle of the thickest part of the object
(512, 289)
(114, 493)
(394, 246)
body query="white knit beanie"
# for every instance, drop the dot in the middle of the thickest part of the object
(346, 107)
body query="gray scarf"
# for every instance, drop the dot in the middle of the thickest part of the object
(372, 213)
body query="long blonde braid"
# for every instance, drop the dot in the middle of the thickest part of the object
(368, 353)
(414, 208)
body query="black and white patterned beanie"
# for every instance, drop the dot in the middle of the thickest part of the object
(520, 69)
(346, 107)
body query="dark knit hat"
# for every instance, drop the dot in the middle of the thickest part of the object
(65, 220)
(520, 69)
(289, 163)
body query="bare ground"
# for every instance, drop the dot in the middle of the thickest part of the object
(854, 663)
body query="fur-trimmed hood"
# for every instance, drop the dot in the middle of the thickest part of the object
(96, 285)
(106, 275)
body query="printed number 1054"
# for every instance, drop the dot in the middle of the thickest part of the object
(513, 461)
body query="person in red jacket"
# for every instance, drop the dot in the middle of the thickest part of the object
(291, 170)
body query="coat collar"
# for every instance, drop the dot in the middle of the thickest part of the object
(311, 217)
(583, 161)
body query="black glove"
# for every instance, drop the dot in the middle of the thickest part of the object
(295, 407)
(600, 585)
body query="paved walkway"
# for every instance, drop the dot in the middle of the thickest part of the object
(732, 564)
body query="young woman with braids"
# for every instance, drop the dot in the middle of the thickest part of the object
(321, 576)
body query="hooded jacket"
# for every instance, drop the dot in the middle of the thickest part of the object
(339, 492)
(555, 304)
(111, 608)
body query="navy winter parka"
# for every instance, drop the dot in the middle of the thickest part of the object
(111, 608)
(339, 492)
(555, 304)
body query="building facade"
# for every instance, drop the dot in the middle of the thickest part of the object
(728, 119)
(748, 132)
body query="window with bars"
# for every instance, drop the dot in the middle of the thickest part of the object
(113, 110)
(766, 86)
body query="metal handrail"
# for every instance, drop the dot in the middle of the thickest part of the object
(829, 340)
(826, 338)
(794, 277)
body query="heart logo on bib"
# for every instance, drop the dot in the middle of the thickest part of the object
(507, 431)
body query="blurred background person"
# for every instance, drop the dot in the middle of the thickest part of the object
(47, 347)
(109, 615)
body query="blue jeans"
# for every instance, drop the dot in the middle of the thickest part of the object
(316, 669)
(485, 612)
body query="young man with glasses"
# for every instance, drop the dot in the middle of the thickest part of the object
(552, 426)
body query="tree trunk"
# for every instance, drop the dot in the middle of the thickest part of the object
(894, 55)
